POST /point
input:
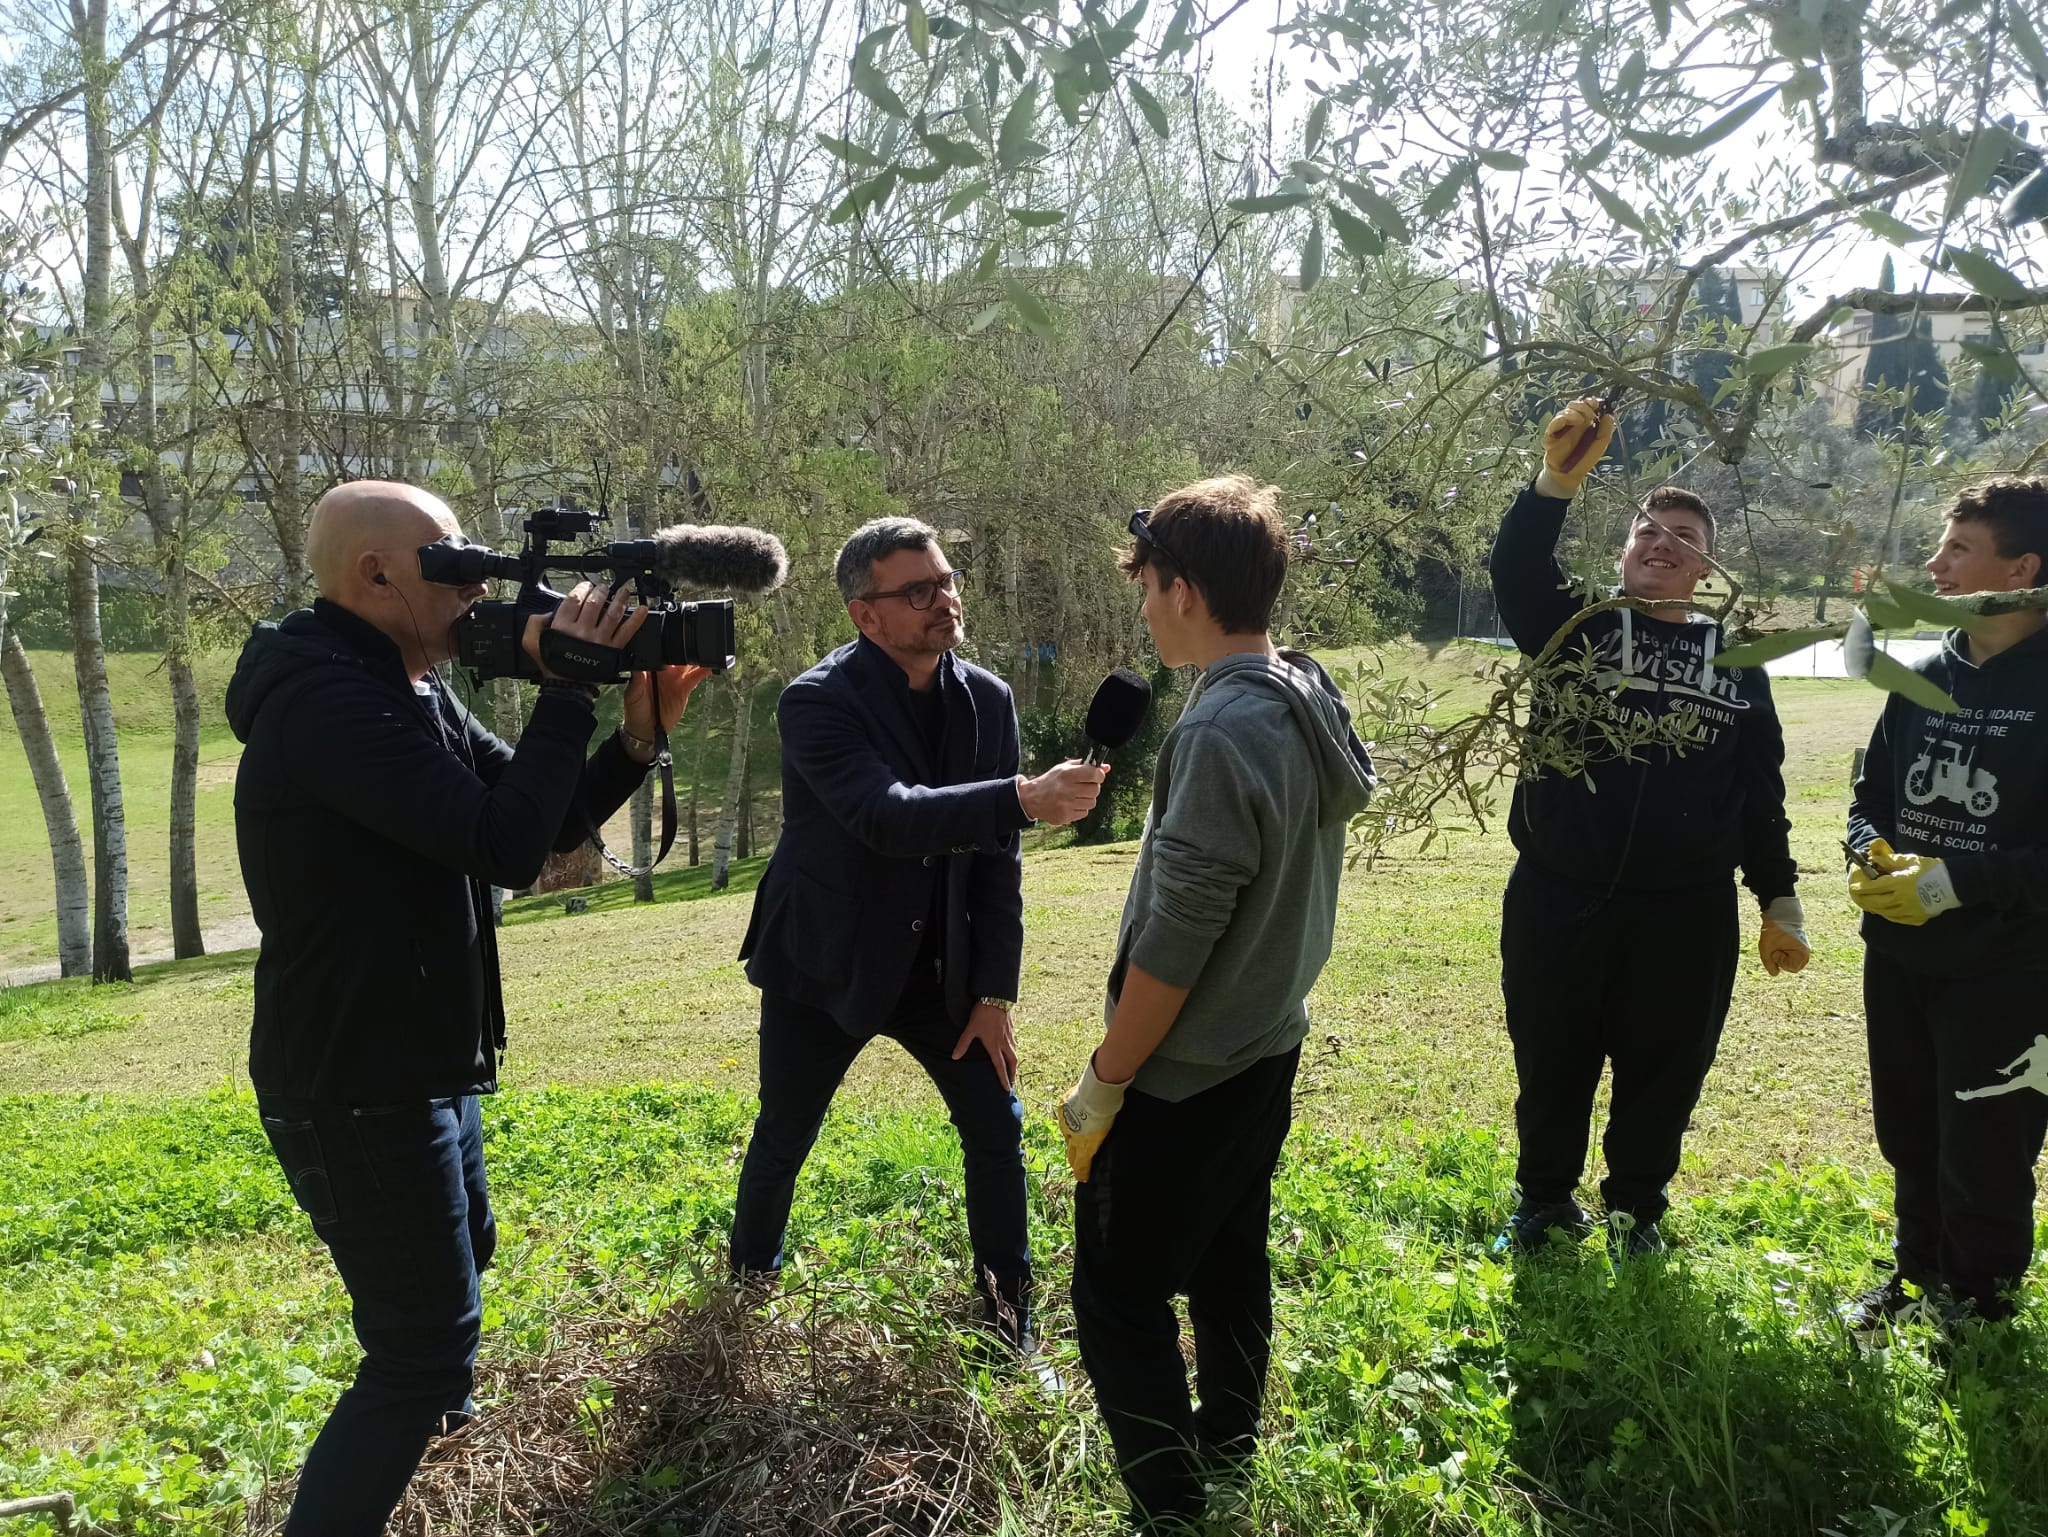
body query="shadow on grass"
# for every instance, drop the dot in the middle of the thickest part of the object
(687, 884)
(214, 964)
(68, 1007)
(1673, 1395)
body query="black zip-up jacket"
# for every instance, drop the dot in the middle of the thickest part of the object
(1971, 788)
(371, 822)
(1667, 819)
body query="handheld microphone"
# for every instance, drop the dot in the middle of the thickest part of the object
(1117, 710)
(717, 557)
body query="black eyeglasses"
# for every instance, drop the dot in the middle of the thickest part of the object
(922, 595)
(1141, 527)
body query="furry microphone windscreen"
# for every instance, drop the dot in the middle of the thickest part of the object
(725, 558)
(1119, 705)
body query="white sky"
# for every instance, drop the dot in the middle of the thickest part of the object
(1235, 59)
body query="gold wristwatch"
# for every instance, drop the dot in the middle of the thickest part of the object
(1007, 1005)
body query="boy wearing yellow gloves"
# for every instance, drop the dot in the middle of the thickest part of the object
(1176, 1125)
(1949, 819)
(1623, 876)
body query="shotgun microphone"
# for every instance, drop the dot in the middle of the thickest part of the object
(721, 558)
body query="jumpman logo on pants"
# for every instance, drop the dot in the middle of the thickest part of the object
(2034, 1059)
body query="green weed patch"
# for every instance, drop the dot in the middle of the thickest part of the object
(171, 1335)
(43, 1014)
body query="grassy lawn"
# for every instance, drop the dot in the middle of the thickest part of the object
(624, 993)
(142, 717)
(142, 714)
(170, 1334)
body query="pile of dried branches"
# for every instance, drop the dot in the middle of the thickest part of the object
(722, 1420)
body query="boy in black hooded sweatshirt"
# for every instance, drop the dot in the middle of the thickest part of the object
(1951, 814)
(1624, 875)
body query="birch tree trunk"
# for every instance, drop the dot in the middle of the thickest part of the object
(103, 766)
(67, 853)
(169, 523)
(643, 839)
(81, 573)
(696, 779)
(186, 940)
(286, 502)
(505, 721)
(1013, 615)
(736, 774)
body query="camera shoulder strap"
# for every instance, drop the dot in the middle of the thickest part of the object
(664, 761)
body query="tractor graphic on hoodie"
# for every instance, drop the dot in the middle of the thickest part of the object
(1952, 777)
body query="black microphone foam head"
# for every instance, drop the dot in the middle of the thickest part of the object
(1119, 705)
(720, 557)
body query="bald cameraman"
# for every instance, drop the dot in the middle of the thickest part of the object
(373, 813)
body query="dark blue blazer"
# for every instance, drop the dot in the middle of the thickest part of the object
(871, 825)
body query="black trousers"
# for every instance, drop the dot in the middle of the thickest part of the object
(1959, 1089)
(1179, 1200)
(399, 1196)
(805, 1055)
(1639, 978)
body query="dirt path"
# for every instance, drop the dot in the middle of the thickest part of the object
(238, 935)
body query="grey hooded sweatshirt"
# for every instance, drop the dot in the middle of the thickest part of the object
(1235, 894)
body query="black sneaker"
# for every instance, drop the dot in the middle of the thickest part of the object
(1041, 1372)
(1537, 1224)
(1634, 1239)
(1870, 1315)
(1009, 1349)
(1227, 1462)
(1227, 1510)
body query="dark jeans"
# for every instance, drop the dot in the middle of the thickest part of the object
(804, 1057)
(397, 1194)
(1643, 978)
(1959, 1091)
(1179, 1200)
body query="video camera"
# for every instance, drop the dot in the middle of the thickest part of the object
(489, 636)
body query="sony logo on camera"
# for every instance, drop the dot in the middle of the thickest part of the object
(581, 661)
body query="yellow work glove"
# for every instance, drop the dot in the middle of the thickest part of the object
(1086, 1116)
(1572, 444)
(1782, 943)
(1909, 888)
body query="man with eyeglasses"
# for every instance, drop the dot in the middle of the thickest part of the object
(894, 904)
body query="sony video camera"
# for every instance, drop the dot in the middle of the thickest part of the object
(488, 637)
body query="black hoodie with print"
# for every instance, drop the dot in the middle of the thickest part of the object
(1667, 819)
(1971, 788)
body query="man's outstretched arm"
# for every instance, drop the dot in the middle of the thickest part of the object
(1534, 592)
(827, 744)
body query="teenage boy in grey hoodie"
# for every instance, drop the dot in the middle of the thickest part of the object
(1175, 1127)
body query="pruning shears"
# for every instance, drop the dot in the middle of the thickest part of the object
(1592, 433)
(1859, 859)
